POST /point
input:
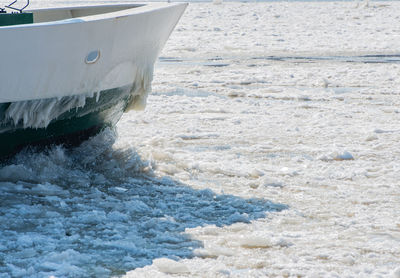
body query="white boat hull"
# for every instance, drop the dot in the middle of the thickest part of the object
(46, 60)
(77, 57)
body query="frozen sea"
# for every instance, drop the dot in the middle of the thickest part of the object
(269, 147)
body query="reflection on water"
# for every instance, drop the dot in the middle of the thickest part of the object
(98, 211)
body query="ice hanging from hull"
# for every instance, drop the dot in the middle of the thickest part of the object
(40, 113)
(141, 88)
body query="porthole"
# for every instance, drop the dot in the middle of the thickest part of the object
(92, 57)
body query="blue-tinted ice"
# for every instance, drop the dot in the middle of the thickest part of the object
(91, 211)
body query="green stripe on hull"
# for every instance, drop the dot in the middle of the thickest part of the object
(8, 19)
(70, 128)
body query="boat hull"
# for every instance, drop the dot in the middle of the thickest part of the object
(50, 59)
(69, 78)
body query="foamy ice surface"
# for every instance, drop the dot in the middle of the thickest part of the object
(269, 148)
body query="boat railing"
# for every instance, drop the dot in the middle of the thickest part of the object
(10, 6)
(16, 17)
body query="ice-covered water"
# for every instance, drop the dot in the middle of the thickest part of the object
(97, 211)
(269, 148)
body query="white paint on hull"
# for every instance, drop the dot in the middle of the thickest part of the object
(47, 60)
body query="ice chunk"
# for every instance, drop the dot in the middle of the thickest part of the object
(344, 156)
(255, 173)
(170, 266)
(24, 241)
(16, 173)
(371, 138)
(255, 242)
(337, 155)
(270, 182)
(214, 252)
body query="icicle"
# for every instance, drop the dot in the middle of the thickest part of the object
(39, 113)
(141, 88)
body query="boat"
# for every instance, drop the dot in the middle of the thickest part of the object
(67, 73)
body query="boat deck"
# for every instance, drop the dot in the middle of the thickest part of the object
(55, 14)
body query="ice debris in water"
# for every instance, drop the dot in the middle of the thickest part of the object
(92, 211)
